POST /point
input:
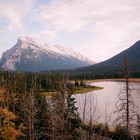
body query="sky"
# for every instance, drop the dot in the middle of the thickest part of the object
(98, 29)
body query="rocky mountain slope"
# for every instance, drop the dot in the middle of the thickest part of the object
(28, 55)
(116, 63)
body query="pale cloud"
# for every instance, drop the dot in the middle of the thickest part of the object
(72, 15)
(14, 10)
(62, 15)
(110, 26)
(114, 23)
(43, 36)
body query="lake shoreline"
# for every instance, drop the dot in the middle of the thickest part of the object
(82, 90)
(105, 100)
(89, 88)
(94, 88)
(134, 80)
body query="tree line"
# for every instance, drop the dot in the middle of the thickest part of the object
(27, 114)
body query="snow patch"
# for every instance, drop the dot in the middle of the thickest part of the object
(13, 55)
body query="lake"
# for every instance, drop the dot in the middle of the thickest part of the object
(100, 105)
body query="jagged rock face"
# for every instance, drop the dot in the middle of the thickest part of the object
(28, 55)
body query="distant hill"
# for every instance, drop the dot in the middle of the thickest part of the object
(116, 63)
(29, 55)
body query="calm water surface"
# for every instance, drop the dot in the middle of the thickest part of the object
(101, 104)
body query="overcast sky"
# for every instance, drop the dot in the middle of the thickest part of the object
(98, 29)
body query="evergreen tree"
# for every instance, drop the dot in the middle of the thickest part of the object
(42, 117)
(76, 83)
(72, 119)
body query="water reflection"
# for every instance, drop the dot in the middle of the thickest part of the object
(100, 105)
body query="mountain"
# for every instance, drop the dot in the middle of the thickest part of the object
(28, 55)
(116, 63)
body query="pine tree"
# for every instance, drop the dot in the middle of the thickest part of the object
(73, 122)
(42, 118)
(72, 119)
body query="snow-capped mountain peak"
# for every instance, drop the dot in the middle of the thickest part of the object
(29, 55)
(26, 39)
(25, 42)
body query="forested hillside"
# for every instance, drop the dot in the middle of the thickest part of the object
(114, 66)
(28, 113)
